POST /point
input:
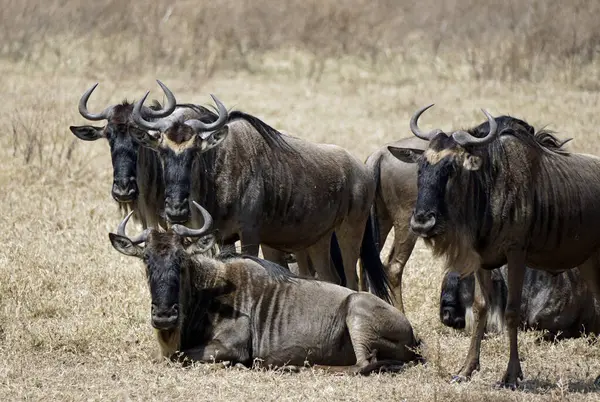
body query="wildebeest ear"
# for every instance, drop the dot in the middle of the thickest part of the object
(87, 133)
(200, 246)
(472, 162)
(212, 139)
(125, 246)
(145, 139)
(406, 155)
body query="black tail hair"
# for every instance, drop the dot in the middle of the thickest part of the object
(373, 212)
(371, 264)
(336, 258)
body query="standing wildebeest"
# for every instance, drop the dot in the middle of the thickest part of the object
(240, 308)
(506, 197)
(137, 174)
(561, 304)
(395, 200)
(266, 187)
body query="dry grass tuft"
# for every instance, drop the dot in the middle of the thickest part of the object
(74, 313)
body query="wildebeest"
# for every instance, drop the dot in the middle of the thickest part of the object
(509, 197)
(266, 187)
(137, 174)
(242, 308)
(395, 199)
(560, 304)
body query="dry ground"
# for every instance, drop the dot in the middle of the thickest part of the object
(74, 313)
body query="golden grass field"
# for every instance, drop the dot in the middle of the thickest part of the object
(74, 313)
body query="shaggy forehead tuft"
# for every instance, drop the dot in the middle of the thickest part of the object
(432, 156)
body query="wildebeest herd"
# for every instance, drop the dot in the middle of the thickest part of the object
(510, 209)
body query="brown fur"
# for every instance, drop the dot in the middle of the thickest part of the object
(240, 309)
(289, 194)
(529, 203)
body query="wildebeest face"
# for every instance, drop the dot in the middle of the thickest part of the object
(178, 143)
(178, 148)
(438, 164)
(167, 257)
(123, 152)
(447, 157)
(121, 133)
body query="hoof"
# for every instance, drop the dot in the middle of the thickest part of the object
(506, 385)
(457, 379)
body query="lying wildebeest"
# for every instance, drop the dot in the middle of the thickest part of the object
(137, 173)
(241, 308)
(395, 200)
(266, 187)
(510, 196)
(560, 304)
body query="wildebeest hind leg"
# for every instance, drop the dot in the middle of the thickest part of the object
(319, 255)
(349, 236)
(274, 255)
(590, 273)
(376, 326)
(404, 243)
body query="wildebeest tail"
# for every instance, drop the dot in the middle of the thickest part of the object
(371, 264)
(336, 258)
(375, 167)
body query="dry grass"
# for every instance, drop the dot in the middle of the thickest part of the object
(74, 313)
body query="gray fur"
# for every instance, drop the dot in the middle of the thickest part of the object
(262, 186)
(562, 305)
(520, 199)
(243, 309)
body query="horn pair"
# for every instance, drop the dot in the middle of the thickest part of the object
(179, 229)
(461, 137)
(148, 112)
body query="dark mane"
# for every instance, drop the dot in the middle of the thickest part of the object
(275, 271)
(508, 125)
(274, 139)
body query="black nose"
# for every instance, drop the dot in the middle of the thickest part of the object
(177, 212)
(125, 189)
(451, 319)
(421, 223)
(165, 317)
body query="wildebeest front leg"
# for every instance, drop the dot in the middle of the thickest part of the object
(516, 274)
(213, 352)
(481, 303)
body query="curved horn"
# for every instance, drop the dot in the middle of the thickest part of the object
(187, 232)
(200, 126)
(465, 139)
(83, 107)
(414, 127)
(141, 238)
(167, 109)
(137, 117)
